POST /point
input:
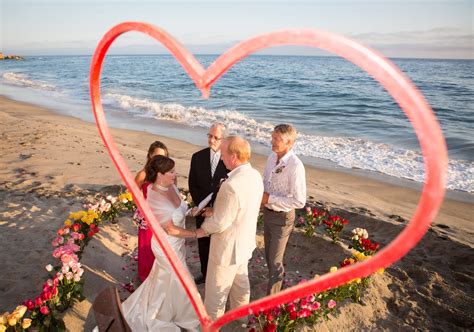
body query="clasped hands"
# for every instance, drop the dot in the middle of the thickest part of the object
(206, 212)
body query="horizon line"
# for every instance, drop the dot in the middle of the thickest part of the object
(218, 54)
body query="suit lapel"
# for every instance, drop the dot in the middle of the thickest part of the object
(206, 163)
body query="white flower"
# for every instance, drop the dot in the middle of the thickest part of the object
(77, 278)
(49, 268)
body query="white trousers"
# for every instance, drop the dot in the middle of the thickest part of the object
(226, 281)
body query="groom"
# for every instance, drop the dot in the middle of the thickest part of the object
(232, 224)
(205, 174)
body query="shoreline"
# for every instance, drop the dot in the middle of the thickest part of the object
(51, 163)
(263, 151)
(351, 188)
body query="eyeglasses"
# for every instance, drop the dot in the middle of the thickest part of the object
(215, 137)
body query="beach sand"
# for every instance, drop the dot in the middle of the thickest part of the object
(51, 164)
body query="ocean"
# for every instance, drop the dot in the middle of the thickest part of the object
(346, 120)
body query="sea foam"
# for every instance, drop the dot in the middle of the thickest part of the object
(25, 81)
(348, 152)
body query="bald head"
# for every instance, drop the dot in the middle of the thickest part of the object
(235, 151)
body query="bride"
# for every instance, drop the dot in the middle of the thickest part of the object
(161, 303)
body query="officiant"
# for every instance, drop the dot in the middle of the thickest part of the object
(205, 176)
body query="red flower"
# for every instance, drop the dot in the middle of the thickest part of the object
(293, 315)
(38, 301)
(90, 234)
(270, 327)
(81, 236)
(303, 313)
(269, 317)
(44, 310)
(61, 231)
(76, 227)
(290, 307)
(46, 295)
(29, 304)
(344, 221)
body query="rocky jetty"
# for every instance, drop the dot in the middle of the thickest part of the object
(10, 57)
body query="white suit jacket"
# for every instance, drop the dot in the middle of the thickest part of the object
(233, 224)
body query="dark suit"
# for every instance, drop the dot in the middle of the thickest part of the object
(201, 184)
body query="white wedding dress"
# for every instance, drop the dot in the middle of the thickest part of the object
(161, 303)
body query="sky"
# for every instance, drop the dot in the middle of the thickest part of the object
(401, 28)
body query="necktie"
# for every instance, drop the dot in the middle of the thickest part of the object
(215, 161)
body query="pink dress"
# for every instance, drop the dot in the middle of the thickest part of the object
(145, 254)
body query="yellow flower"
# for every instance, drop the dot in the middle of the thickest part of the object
(68, 223)
(92, 214)
(3, 318)
(126, 196)
(316, 276)
(359, 255)
(77, 215)
(12, 320)
(26, 323)
(358, 280)
(333, 269)
(381, 270)
(21, 310)
(3, 328)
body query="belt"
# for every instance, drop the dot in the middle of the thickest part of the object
(274, 210)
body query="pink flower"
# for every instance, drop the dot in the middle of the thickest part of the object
(44, 310)
(69, 276)
(331, 304)
(315, 306)
(66, 258)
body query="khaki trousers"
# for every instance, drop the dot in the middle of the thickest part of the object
(277, 229)
(226, 281)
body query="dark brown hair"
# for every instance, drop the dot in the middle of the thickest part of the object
(157, 164)
(156, 145)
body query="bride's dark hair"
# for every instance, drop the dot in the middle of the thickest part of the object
(157, 164)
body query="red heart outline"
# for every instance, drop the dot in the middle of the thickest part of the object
(410, 100)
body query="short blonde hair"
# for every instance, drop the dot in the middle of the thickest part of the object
(286, 131)
(240, 147)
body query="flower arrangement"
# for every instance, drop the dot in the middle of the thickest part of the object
(311, 219)
(314, 218)
(361, 242)
(334, 226)
(316, 307)
(65, 283)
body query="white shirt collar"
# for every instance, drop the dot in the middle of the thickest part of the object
(246, 165)
(285, 158)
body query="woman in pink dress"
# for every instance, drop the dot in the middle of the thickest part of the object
(145, 254)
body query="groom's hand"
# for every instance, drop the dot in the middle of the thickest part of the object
(200, 233)
(207, 212)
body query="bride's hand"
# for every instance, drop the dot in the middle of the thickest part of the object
(207, 212)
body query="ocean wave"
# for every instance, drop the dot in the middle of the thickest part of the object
(24, 80)
(346, 152)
